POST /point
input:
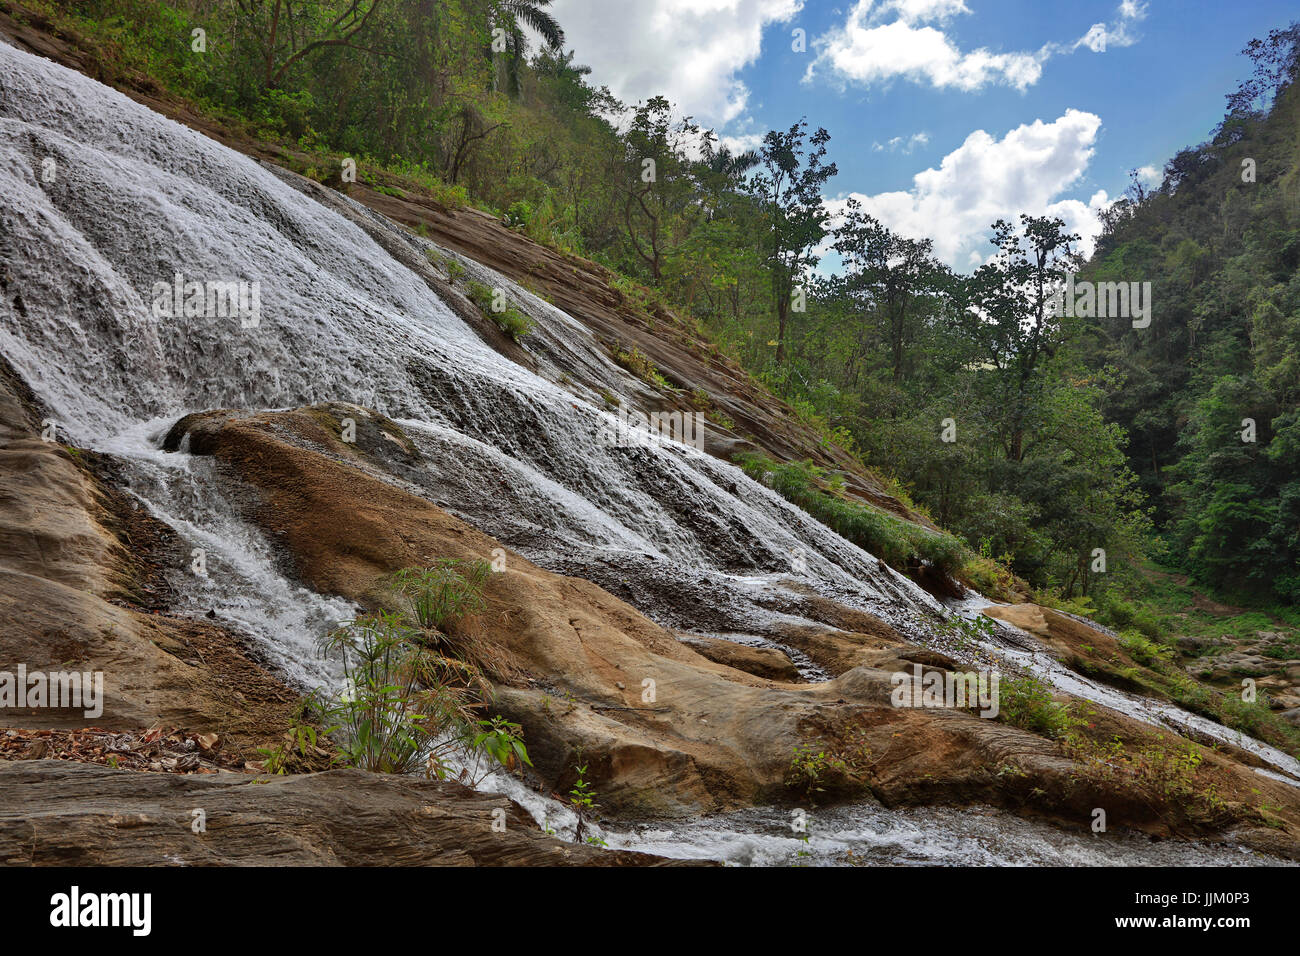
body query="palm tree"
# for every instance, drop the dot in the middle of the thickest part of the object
(518, 14)
(731, 166)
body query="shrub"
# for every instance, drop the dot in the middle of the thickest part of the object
(404, 704)
(444, 592)
(1026, 702)
(901, 544)
(412, 688)
(509, 319)
(519, 214)
(1142, 650)
(639, 365)
(809, 767)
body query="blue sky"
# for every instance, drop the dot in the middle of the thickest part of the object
(943, 114)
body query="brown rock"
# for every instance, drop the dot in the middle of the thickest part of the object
(710, 737)
(766, 662)
(58, 813)
(67, 590)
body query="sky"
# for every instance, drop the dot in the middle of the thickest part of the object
(944, 115)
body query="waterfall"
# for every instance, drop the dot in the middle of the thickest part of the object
(109, 208)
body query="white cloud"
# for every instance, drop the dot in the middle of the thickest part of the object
(742, 142)
(1150, 175)
(925, 11)
(687, 50)
(880, 42)
(985, 179)
(867, 51)
(902, 144)
(1082, 218)
(1119, 33)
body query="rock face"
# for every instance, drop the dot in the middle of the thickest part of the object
(72, 599)
(55, 813)
(765, 662)
(662, 729)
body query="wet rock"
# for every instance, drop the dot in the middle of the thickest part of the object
(57, 813)
(664, 731)
(70, 597)
(765, 662)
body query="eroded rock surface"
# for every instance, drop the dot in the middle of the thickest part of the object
(56, 813)
(662, 729)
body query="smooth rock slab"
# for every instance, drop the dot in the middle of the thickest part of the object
(60, 813)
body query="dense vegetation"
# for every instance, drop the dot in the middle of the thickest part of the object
(1069, 449)
(1209, 393)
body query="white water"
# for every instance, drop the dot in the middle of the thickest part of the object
(1037, 660)
(346, 316)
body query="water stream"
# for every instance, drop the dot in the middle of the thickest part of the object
(103, 199)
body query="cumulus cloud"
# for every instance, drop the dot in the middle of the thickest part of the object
(1150, 175)
(879, 42)
(866, 50)
(985, 179)
(687, 50)
(925, 11)
(903, 144)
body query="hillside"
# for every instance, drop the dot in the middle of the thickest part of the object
(1219, 239)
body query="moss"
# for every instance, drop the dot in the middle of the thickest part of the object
(639, 365)
(509, 319)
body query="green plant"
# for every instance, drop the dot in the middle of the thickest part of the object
(403, 705)
(298, 745)
(636, 362)
(519, 214)
(1026, 702)
(1142, 650)
(1163, 770)
(501, 740)
(722, 419)
(902, 545)
(507, 318)
(582, 797)
(446, 591)
(970, 631)
(513, 323)
(809, 767)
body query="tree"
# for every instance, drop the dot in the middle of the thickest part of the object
(656, 181)
(1277, 62)
(789, 187)
(889, 274)
(511, 16)
(294, 32)
(1007, 312)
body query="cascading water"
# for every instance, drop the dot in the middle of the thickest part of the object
(1161, 714)
(105, 200)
